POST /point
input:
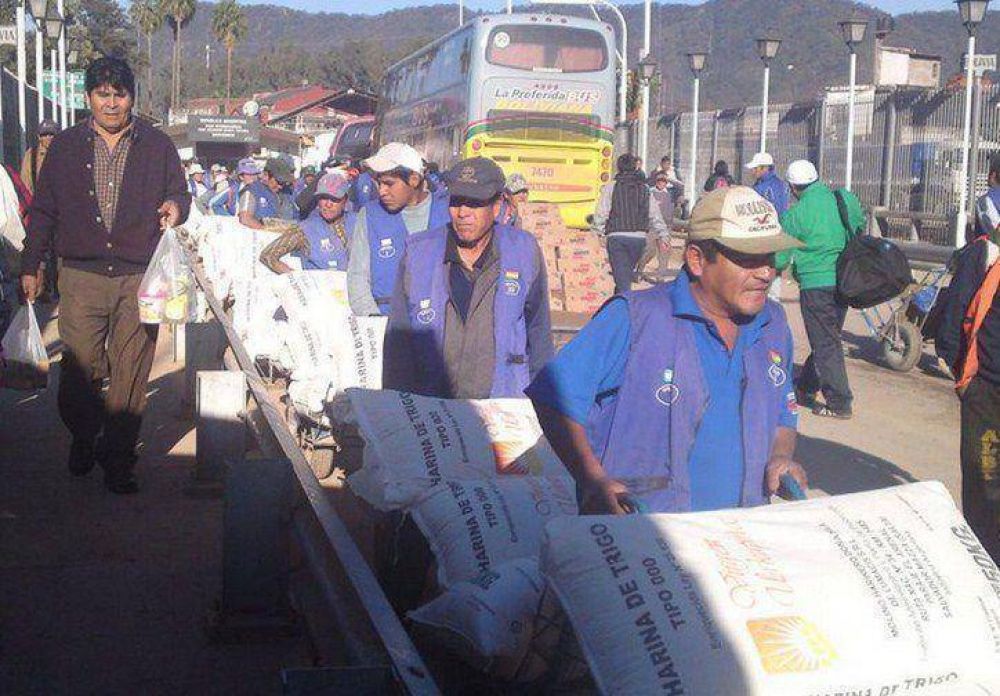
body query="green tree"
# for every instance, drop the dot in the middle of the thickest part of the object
(177, 12)
(229, 25)
(148, 17)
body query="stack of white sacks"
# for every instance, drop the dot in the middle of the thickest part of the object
(883, 592)
(300, 321)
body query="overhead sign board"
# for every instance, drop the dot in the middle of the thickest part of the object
(74, 87)
(8, 34)
(981, 62)
(223, 129)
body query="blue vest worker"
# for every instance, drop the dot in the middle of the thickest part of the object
(768, 184)
(470, 316)
(680, 398)
(268, 197)
(404, 207)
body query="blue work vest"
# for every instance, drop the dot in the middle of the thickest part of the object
(365, 190)
(647, 429)
(387, 239)
(225, 204)
(326, 251)
(266, 199)
(428, 297)
(984, 226)
(774, 190)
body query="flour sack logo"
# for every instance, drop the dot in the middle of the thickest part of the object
(668, 393)
(511, 283)
(426, 314)
(774, 371)
(385, 249)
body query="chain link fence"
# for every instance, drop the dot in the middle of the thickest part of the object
(907, 149)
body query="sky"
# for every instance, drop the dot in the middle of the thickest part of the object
(378, 6)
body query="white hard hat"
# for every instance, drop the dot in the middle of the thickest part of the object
(761, 159)
(802, 173)
(196, 169)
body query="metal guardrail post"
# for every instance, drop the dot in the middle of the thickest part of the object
(888, 150)
(715, 138)
(220, 433)
(255, 550)
(204, 344)
(821, 134)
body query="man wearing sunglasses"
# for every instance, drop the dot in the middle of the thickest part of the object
(470, 312)
(679, 398)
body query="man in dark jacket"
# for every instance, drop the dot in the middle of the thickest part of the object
(109, 187)
(972, 349)
(626, 213)
(470, 310)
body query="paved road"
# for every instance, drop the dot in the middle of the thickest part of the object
(102, 594)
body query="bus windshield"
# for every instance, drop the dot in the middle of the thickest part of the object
(530, 125)
(547, 48)
(355, 140)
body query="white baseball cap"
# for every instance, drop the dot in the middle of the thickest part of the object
(739, 218)
(196, 169)
(761, 159)
(393, 156)
(802, 173)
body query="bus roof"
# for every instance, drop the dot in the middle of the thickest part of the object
(502, 18)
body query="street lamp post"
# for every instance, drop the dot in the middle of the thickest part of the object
(64, 121)
(853, 31)
(972, 12)
(38, 16)
(647, 71)
(622, 57)
(21, 21)
(53, 30)
(767, 49)
(647, 22)
(697, 63)
(72, 58)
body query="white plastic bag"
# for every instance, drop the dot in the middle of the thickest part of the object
(25, 360)
(167, 290)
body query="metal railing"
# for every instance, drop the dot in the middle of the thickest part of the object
(907, 156)
(353, 597)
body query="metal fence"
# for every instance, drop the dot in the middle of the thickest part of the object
(907, 149)
(13, 141)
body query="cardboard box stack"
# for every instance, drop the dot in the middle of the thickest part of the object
(577, 265)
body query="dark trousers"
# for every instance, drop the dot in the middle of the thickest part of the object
(624, 253)
(981, 462)
(824, 370)
(101, 334)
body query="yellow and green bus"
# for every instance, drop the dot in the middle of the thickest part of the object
(533, 92)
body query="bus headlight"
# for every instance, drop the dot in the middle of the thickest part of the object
(604, 177)
(477, 145)
(606, 152)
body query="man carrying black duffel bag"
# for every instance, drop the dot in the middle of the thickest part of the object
(815, 221)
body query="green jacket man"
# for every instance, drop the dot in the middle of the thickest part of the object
(815, 220)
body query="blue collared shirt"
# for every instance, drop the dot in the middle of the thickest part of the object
(591, 367)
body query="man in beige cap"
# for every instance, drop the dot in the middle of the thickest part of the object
(679, 398)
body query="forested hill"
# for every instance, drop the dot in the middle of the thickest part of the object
(285, 46)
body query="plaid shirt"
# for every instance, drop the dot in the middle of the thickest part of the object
(109, 170)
